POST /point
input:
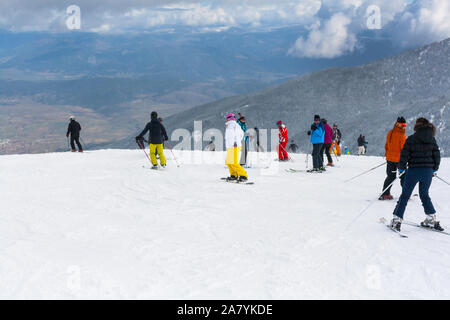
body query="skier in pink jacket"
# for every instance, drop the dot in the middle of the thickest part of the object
(327, 142)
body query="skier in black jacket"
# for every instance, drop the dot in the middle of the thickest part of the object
(420, 157)
(74, 129)
(157, 136)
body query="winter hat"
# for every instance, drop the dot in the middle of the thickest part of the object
(154, 115)
(317, 117)
(279, 123)
(423, 123)
(231, 116)
(324, 121)
(241, 117)
(401, 120)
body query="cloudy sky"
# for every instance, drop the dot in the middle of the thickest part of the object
(332, 27)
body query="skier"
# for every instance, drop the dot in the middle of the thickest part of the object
(337, 136)
(211, 146)
(317, 134)
(233, 143)
(420, 157)
(74, 129)
(293, 147)
(328, 140)
(243, 125)
(395, 140)
(283, 140)
(361, 145)
(157, 136)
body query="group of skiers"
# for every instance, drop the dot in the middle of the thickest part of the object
(417, 159)
(324, 140)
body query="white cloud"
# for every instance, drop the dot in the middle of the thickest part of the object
(329, 40)
(424, 23)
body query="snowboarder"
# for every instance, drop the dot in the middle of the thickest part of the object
(420, 157)
(233, 143)
(74, 129)
(293, 147)
(328, 140)
(337, 136)
(241, 122)
(317, 134)
(157, 137)
(395, 140)
(361, 145)
(282, 140)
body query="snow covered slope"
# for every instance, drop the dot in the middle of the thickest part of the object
(99, 225)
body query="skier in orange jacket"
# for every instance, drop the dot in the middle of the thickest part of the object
(394, 144)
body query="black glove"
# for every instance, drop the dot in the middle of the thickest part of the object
(235, 144)
(313, 127)
(166, 138)
(139, 139)
(309, 132)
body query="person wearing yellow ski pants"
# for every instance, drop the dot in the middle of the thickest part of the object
(157, 148)
(232, 162)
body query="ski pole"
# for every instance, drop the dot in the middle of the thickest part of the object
(373, 201)
(143, 149)
(365, 172)
(84, 144)
(286, 152)
(306, 160)
(442, 180)
(174, 158)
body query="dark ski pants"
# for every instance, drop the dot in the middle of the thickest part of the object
(317, 155)
(326, 148)
(76, 139)
(423, 177)
(391, 171)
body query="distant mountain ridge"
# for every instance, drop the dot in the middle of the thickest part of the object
(365, 99)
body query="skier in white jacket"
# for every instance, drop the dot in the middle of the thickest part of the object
(233, 139)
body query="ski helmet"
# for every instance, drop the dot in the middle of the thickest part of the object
(279, 123)
(231, 116)
(154, 115)
(71, 118)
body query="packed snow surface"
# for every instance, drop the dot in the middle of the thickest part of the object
(103, 225)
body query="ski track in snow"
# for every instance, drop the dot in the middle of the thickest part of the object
(100, 225)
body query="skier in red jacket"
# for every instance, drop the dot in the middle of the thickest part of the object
(283, 138)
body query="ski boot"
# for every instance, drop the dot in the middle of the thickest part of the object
(163, 166)
(242, 179)
(396, 223)
(386, 197)
(155, 167)
(330, 164)
(322, 169)
(74, 150)
(315, 170)
(232, 178)
(81, 150)
(430, 222)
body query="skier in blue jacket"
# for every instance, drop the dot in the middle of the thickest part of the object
(317, 134)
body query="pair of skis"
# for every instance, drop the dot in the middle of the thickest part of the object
(297, 171)
(409, 223)
(237, 181)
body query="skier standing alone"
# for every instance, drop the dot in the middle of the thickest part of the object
(233, 143)
(74, 129)
(420, 157)
(283, 140)
(317, 134)
(361, 145)
(395, 140)
(157, 137)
